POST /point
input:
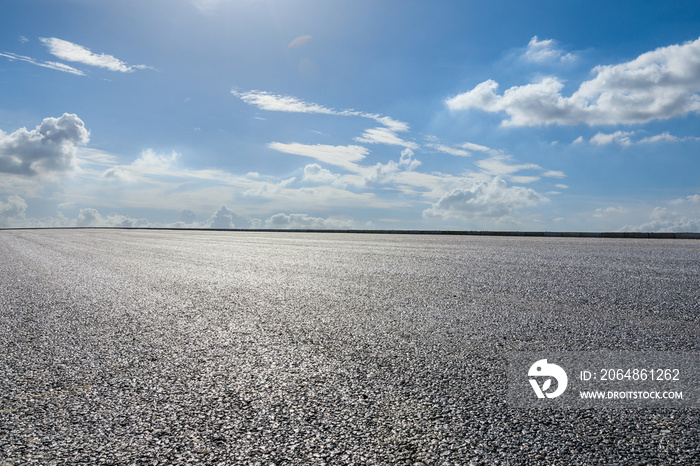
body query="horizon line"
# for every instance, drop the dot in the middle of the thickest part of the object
(537, 233)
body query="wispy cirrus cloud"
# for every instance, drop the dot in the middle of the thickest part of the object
(500, 165)
(284, 103)
(464, 149)
(657, 85)
(450, 150)
(384, 136)
(44, 64)
(77, 53)
(281, 103)
(626, 138)
(342, 156)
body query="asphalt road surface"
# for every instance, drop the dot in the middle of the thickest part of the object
(175, 347)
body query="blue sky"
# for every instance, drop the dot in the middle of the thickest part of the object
(499, 115)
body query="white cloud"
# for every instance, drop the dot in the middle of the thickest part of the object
(269, 188)
(693, 199)
(50, 147)
(386, 172)
(67, 205)
(394, 125)
(476, 147)
(450, 150)
(624, 138)
(554, 174)
(150, 161)
(383, 173)
(663, 137)
(662, 219)
(45, 64)
(524, 179)
(546, 50)
(304, 221)
(342, 156)
(281, 103)
(498, 165)
(77, 53)
(614, 210)
(492, 199)
(90, 217)
(12, 212)
(464, 149)
(148, 164)
(222, 218)
(666, 137)
(562, 186)
(384, 136)
(657, 85)
(314, 173)
(618, 137)
(407, 161)
(683, 216)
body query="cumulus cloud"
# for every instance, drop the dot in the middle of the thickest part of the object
(618, 137)
(692, 199)
(90, 217)
(304, 222)
(222, 218)
(546, 50)
(342, 156)
(384, 172)
(663, 219)
(77, 53)
(657, 85)
(187, 216)
(225, 218)
(12, 212)
(50, 147)
(485, 198)
(314, 173)
(682, 216)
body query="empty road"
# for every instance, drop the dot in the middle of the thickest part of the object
(174, 347)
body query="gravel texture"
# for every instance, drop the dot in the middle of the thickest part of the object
(167, 347)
